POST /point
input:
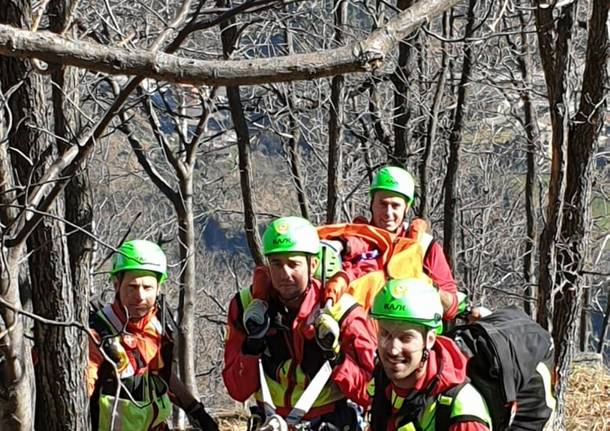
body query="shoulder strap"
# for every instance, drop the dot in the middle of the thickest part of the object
(444, 405)
(104, 323)
(418, 230)
(343, 307)
(381, 408)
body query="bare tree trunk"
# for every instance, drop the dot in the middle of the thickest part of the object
(402, 110)
(228, 35)
(186, 309)
(58, 374)
(554, 57)
(575, 228)
(15, 393)
(604, 329)
(295, 169)
(455, 142)
(583, 324)
(293, 141)
(335, 125)
(383, 133)
(79, 209)
(532, 132)
(424, 195)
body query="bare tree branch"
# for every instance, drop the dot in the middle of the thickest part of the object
(361, 56)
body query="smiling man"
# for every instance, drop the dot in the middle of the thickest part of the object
(280, 326)
(392, 194)
(421, 372)
(130, 342)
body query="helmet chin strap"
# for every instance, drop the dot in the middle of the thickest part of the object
(424, 358)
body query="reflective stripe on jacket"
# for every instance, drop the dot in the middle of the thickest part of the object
(287, 386)
(468, 406)
(138, 362)
(293, 356)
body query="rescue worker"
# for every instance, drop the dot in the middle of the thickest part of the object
(130, 341)
(283, 327)
(392, 193)
(420, 371)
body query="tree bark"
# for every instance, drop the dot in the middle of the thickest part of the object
(335, 126)
(362, 56)
(554, 57)
(79, 208)
(532, 133)
(78, 212)
(455, 142)
(188, 282)
(424, 196)
(58, 374)
(293, 142)
(228, 35)
(402, 107)
(604, 329)
(15, 390)
(575, 228)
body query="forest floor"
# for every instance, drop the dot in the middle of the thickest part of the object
(588, 402)
(588, 399)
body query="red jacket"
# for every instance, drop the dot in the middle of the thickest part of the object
(435, 264)
(351, 375)
(453, 372)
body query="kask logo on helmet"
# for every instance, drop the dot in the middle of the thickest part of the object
(283, 241)
(394, 307)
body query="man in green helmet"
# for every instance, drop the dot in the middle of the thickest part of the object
(392, 193)
(420, 372)
(279, 324)
(130, 342)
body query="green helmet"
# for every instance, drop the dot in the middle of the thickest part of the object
(394, 179)
(332, 260)
(140, 255)
(291, 235)
(411, 300)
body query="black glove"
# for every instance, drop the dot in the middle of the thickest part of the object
(199, 418)
(256, 323)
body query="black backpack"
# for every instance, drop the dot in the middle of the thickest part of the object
(505, 348)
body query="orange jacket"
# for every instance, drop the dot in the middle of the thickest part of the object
(435, 263)
(144, 335)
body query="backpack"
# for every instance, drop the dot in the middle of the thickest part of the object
(506, 350)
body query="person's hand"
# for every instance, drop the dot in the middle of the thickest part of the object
(327, 335)
(274, 423)
(199, 418)
(256, 323)
(477, 313)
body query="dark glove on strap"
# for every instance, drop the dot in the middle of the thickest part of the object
(253, 346)
(199, 418)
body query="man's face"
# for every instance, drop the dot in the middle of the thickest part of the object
(137, 291)
(401, 346)
(290, 274)
(388, 210)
